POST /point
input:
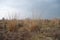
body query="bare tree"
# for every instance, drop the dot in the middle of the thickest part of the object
(13, 16)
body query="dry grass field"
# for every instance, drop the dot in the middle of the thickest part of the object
(42, 29)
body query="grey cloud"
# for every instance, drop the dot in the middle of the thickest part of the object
(46, 8)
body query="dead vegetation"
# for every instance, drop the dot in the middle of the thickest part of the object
(30, 30)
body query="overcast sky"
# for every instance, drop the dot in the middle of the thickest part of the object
(28, 8)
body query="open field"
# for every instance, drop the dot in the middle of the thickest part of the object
(30, 29)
